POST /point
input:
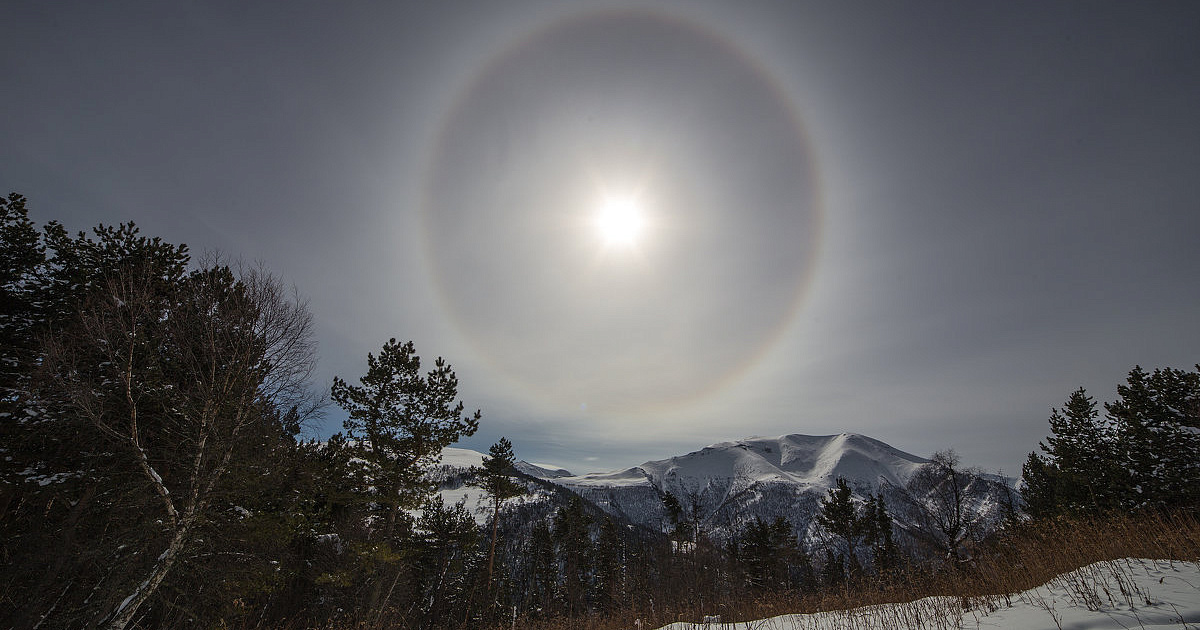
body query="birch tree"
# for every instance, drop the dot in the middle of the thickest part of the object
(172, 374)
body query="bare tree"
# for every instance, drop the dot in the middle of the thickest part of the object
(940, 494)
(173, 375)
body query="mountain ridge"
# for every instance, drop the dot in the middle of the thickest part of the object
(795, 457)
(726, 485)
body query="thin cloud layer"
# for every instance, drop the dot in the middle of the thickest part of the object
(923, 222)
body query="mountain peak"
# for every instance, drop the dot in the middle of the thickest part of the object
(804, 460)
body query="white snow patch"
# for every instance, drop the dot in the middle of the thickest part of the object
(1116, 595)
(461, 457)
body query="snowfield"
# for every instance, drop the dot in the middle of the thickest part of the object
(1120, 594)
(808, 461)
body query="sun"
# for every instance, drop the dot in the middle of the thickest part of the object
(620, 221)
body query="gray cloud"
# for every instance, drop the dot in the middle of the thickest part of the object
(989, 205)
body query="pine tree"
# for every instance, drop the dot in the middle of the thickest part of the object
(833, 572)
(57, 478)
(877, 528)
(756, 555)
(840, 519)
(400, 420)
(22, 258)
(543, 569)
(1156, 418)
(609, 562)
(448, 542)
(151, 383)
(1039, 478)
(787, 552)
(495, 479)
(802, 575)
(1144, 454)
(1082, 449)
(769, 556)
(680, 528)
(574, 545)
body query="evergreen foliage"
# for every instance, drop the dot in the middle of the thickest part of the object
(852, 528)
(1157, 419)
(770, 556)
(573, 541)
(448, 540)
(22, 259)
(679, 529)
(542, 576)
(1143, 454)
(1039, 479)
(495, 479)
(610, 558)
(840, 519)
(399, 422)
(877, 534)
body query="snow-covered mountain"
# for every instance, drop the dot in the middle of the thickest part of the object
(801, 460)
(729, 484)
(542, 471)
(732, 483)
(465, 458)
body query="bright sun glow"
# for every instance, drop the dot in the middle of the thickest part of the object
(620, 221)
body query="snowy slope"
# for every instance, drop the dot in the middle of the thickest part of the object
(805, 460)
(1131, 593)
(454, 471)
(461, 457)
(465, 458)
(542, 471)
(732, 483)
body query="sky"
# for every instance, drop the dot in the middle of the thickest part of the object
(926, 222)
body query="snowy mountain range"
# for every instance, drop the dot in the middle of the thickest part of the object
(729, 484)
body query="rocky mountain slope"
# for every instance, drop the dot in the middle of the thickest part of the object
(725, 486)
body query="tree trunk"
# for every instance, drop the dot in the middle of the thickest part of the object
(389, 530)
(129, 607)
(492, 551)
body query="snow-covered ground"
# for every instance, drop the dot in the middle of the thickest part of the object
(1122, 594)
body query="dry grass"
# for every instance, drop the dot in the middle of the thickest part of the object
(942, 597)
(930, 596)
